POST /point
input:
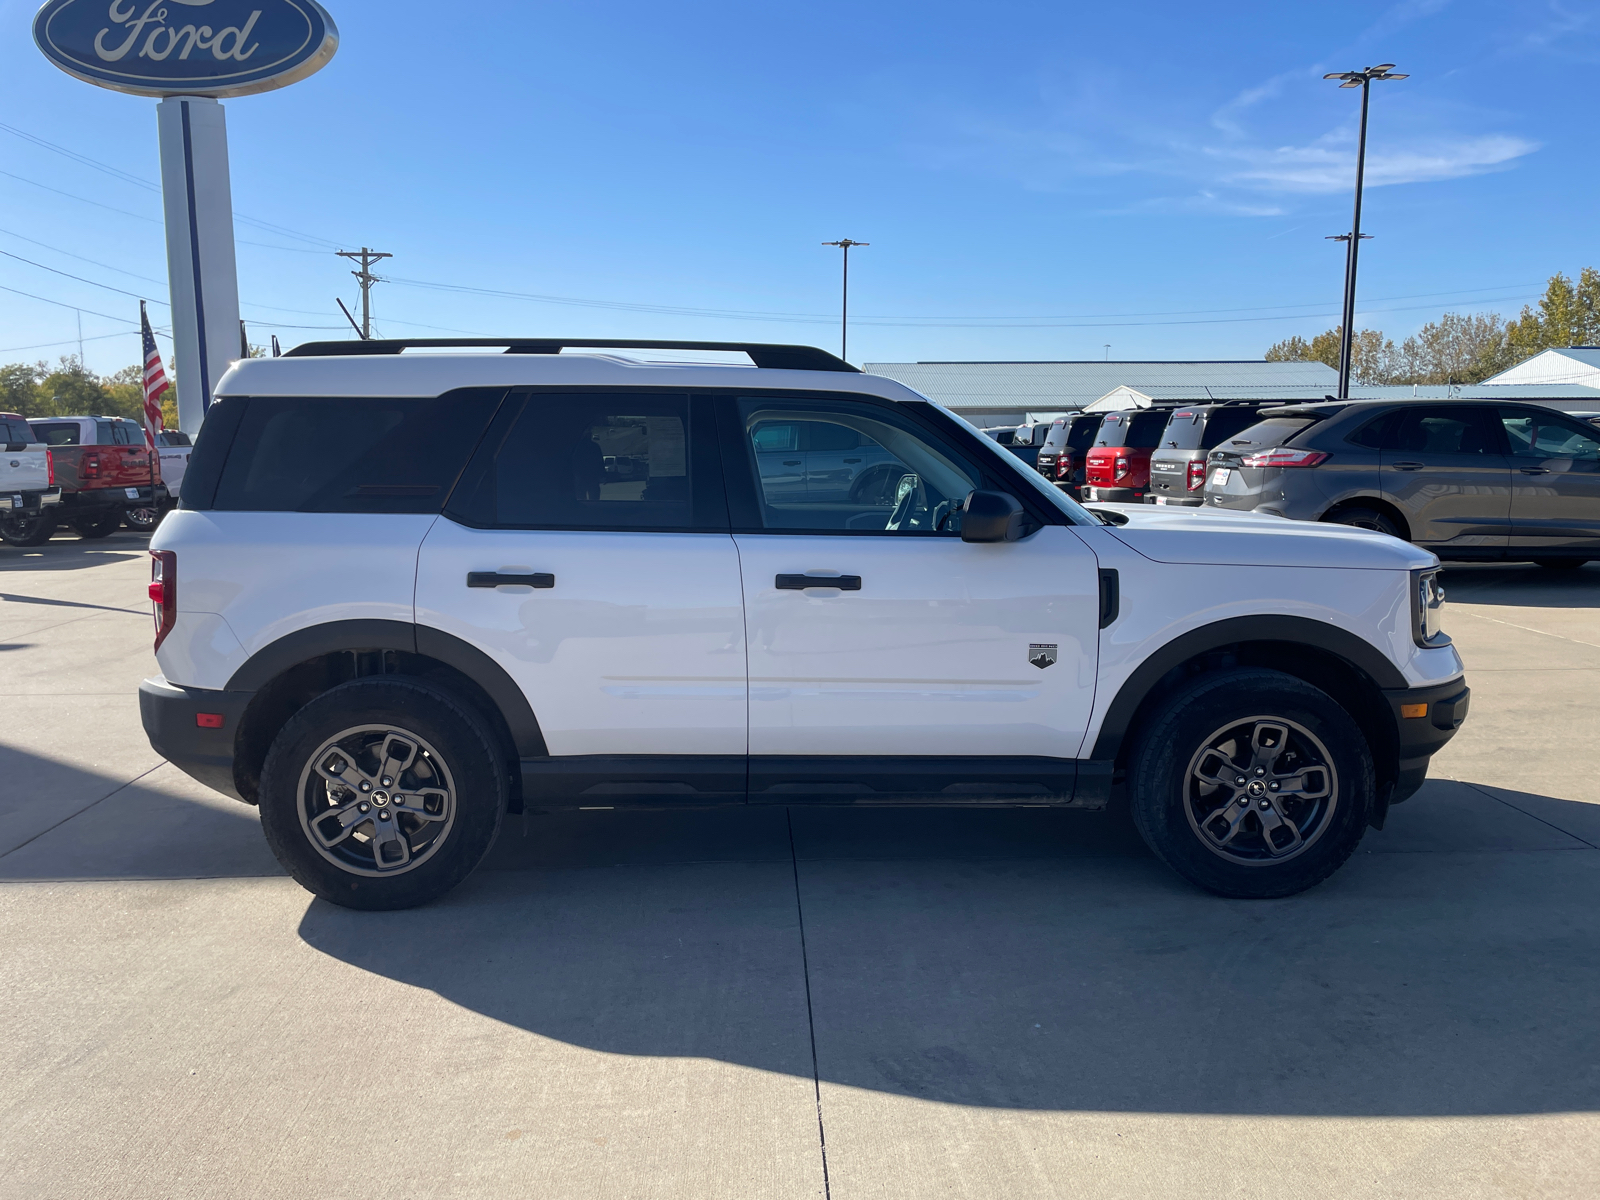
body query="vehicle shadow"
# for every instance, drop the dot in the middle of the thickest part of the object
(1523, 585)
(1031, 959)
(66, 551)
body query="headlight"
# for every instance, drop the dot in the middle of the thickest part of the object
(1427, 608)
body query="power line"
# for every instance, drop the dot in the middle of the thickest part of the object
(81, 258)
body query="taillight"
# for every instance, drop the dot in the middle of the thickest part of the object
(1195, 477)
(91, 466)
(1283, 456)
(1121, 470)
(1064, 467)
(50, 466)
(164, 592)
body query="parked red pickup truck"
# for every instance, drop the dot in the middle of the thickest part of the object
(105, 470)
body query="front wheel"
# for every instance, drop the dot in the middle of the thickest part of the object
(19, 530)
(382, 793)
(1251, 783)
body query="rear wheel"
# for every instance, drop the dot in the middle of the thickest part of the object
(19, 530)
(1561, 564)
(142, 518)
(1368, 518)
(98, 527)
(1252, 783)
(382, 793)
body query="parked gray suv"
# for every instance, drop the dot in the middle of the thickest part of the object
(1178, 464)
(1465, 479)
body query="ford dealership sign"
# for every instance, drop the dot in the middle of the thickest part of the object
(186, 47)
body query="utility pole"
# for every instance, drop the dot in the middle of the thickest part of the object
(844, 308)
(367, 258)
(1353, 240)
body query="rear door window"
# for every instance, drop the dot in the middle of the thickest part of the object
(1438, 430)
(315, 454)
(600, 460)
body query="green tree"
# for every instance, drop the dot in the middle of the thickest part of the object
(19, 389)
(1372, 356)
(1457, 348)
(71, 389)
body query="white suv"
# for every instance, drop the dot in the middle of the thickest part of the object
(531, 580)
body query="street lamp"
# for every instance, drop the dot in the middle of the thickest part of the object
(844, 310)
(1352, 240)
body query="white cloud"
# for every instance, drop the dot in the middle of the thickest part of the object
(1328, 166)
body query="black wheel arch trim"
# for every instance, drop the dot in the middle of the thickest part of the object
(334, 637)
(1360, 654)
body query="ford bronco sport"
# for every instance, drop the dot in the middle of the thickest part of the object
(530, 580)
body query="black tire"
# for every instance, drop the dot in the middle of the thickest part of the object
(1171, 806)
(1561, 564)
(18, 530)
(457, 787)
(1367, 518)
(98, 527)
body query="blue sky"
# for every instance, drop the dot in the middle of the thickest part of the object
(1037, 180)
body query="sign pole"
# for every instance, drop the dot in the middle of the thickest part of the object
(200, 256)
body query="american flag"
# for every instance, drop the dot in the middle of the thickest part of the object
(155, 380)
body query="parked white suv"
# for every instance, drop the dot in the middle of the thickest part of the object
(539, 580)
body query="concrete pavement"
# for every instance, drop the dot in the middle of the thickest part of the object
(754, 1003)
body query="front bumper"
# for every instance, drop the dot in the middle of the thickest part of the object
(1425, 719)
(170, 715)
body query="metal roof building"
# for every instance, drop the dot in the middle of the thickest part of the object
(1002, 393)
(1575, 366)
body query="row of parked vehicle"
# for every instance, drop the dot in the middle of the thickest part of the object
(92, 474)
(1467, 479)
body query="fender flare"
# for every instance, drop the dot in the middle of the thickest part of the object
(333, 637)
(1341, 643)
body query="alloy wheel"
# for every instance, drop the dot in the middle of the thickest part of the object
(1260, 790)
(376, 800)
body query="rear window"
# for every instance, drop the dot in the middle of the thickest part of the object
(1183, 431)
(1224, 423)
(1274, 431)
(58, 433)
(305, 454)
(1141, 430)
(1075, 432)
(173, 438)
(13, 432)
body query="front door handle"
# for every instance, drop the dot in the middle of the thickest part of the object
(490, 579)
(791, 462)
(852, 460)
(799, 583)
(1535, 470)
(1408, 466)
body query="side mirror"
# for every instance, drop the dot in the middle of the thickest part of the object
(991, 517)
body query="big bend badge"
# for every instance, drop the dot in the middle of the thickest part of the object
(1042, 655)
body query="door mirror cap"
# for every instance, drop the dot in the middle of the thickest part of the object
(991, 517)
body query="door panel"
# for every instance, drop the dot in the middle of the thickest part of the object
(931, 656)
(1555, 478)
(637, 648)
(1445, 469)
(627, 634)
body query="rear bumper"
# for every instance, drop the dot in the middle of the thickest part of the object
(169, 714)
(1113, 493)
(106, 498)
(1440, 709)
(29, 503)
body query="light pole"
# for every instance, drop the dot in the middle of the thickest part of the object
(844, 308)
(1362, 80)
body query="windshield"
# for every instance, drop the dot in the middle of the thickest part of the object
(1007, 466)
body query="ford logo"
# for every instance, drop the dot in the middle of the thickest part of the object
(186, 47)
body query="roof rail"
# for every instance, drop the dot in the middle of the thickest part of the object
(763, 354)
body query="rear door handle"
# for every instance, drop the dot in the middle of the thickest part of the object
(852, 460)
(791, 462)
(1535, 470)
(490, 579)
(1408, 466)
(799, 583)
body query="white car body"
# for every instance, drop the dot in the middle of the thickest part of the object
(662, 644)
